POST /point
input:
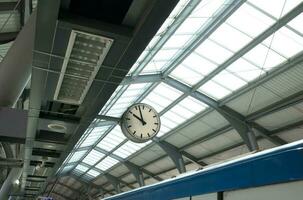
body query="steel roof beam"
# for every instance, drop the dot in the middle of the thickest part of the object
(123, 161)
(173, 154)
(234, 118)
(137, 172)
(267, 134)
(114, 181)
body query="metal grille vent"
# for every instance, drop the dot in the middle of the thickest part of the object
(84, 56)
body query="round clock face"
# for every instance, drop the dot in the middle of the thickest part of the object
(140, 122)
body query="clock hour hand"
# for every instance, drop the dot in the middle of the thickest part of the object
(141, 120)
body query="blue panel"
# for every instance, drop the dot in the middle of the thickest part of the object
(280, 165)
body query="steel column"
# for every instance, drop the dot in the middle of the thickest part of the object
(174, 155)
(136, 172)
(114, 181)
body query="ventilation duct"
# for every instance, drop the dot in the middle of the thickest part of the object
(84, 55)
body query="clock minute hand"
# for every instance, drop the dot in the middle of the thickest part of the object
(141, 120)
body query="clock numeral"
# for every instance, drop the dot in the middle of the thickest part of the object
(148, 134)
(154, 116)
(143, 107)
(130, 112)
(149, 110)
(136, 108)
(156, 123)
(134, 132)
(154, 130)
(141, 135)
(127, 118)
(129, 126)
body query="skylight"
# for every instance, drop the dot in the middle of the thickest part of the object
(77, 156)
(129, 148)
(93, 173)
(180, 113)
(94, 135)
(162, 96)
(204, 69)
(93, 157)
(129, 96)
(106, 163)
(81, 168)
(112, 139)
(181, 37)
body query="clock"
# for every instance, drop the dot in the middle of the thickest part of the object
(140, 122)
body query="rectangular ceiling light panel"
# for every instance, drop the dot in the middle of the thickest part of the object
(84, 55)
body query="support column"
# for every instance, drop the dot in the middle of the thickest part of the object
(13, 175)
(244, 130)
(114, 182)
(136, 172)
(174, 154)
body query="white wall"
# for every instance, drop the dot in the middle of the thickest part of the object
(285, 191)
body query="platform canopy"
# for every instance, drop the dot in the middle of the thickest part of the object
(226, 78)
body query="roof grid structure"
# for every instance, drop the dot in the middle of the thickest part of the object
(233, 56)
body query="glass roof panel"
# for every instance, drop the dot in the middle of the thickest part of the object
(276, 9)
(214, 90)
(230, 37)
(94, 135)
(193, 69)
(129, 148)
(249, 20)
(207, 8)
(228, 80)
(285, 42)
(296, 23)
(81, 168)
(213, 51)
(179, 114)
(154, 66)
(77, 156)
(93, 173)
(112, 139)
(67, 168)
(161, 96)
(106, 163)
(186, 75)
(93, 157)
(264, 57)
(176, 42)
(194, 22)
(190, 26)
(244, 69)
(129, 96)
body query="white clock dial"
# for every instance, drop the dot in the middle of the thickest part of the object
(140, 122)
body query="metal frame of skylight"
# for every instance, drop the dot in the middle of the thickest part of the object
(225, 12)
(226, 66)
(177, 22)
(233, 7)
(263, 35)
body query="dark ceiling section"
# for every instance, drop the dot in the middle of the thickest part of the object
(110, 11)
(97, 17)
